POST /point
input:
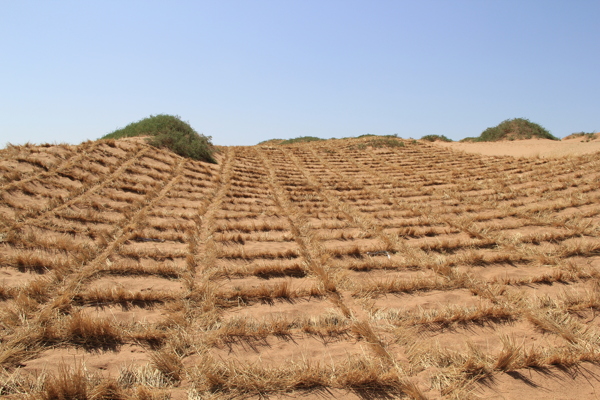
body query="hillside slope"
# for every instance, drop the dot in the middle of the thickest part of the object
(329, 269)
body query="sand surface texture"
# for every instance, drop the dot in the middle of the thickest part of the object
(528, 148)
(347, 269)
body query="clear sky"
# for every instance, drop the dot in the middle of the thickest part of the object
(247, 71)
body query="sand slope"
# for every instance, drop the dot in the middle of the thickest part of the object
(528, 148)
(335, 269)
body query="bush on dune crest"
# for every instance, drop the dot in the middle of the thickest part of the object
(588, 136)
(301, 139)
(436, 138)
(168, 131)
(511, 129)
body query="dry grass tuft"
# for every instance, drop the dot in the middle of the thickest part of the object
(509, 358)
(67, 383)
(108, 389)
(275, 271)
(328, 325)
(92, 333)
(169, 363)
(75, 383)
(142, 376)
(364, 331)
(126, 298)
(266, 293)
(362, 374)
(129, 266)
(7, 292)
(558, 323)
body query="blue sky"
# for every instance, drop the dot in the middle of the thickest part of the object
(247, 71)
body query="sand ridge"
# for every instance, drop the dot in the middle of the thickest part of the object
(528, 147)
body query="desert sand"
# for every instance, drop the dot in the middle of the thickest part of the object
(343, 269)
(528, 148)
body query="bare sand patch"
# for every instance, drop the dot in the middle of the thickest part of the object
(107, 363)
(527, 148)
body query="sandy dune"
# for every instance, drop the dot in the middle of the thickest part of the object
(361, 269)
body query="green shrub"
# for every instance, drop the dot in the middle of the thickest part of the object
(435, 138)
(301, 139)
(517, 128)
(387, 142)
(586, 135)
(271, 141)
(168, 131)
(379, 142)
